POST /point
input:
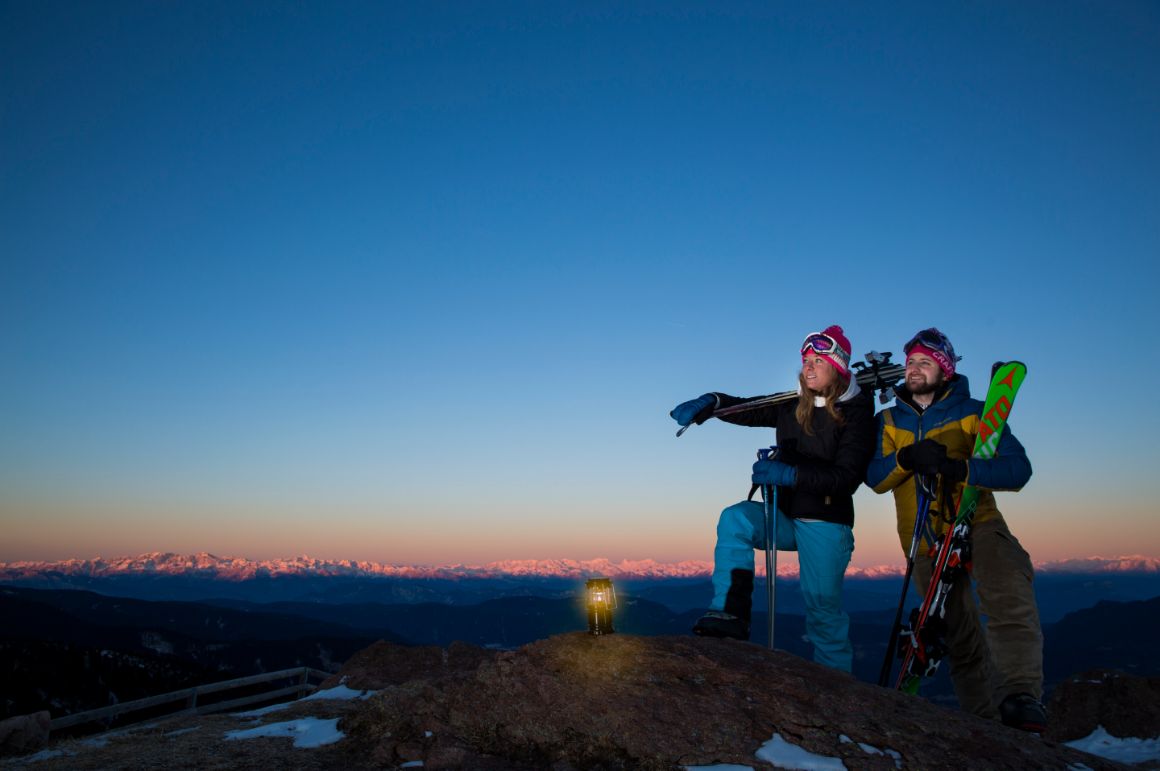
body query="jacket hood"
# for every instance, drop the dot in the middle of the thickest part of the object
(852, 390)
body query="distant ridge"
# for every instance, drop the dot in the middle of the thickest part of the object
(1130, 564)
(204, 565)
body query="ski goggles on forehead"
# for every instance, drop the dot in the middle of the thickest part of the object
(933, 339)
(820, 343)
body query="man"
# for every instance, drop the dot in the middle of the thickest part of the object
(931, 431)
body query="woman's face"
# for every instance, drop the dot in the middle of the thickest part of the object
(817, 372)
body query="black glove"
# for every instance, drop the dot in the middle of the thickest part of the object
(927, 456)
(953, 470)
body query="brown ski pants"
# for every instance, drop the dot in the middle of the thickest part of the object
(1007, 658)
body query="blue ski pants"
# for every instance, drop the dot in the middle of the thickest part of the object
(824, 550)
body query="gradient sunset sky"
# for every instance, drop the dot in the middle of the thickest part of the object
(420, 282)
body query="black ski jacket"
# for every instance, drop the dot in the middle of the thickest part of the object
(830, 464)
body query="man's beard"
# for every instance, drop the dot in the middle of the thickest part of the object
(920, 388)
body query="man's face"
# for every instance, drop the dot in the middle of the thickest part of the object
(923, 375)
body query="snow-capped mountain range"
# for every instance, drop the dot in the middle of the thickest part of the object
(204, 565)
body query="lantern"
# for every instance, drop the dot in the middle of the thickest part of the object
(601, 600)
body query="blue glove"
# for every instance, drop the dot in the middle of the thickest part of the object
(695, 411)
(774, 472)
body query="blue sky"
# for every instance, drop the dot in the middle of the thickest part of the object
(420, 282)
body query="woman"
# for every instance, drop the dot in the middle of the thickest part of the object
(825, 441)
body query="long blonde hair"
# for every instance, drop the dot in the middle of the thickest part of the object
(805, 406)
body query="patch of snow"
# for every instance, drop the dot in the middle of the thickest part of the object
(155, 642)
(95, 742)
(1079, 767)
(339, 692)
(36, 757)
(306, 732)
(719, 767)
(1127, 750)
(870, 749)
(782, 754)
(181, 731)
(262, 710)
(100, 740)
(412, 764)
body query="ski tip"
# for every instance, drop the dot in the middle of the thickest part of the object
(1001, 364)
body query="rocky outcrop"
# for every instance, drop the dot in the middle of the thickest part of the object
(384, 664)
(24, 733)
(618, 702)
(1125, 705)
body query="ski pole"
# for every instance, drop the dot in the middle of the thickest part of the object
(769, 501)
(769, 495)
(933, 601)
(924, 499)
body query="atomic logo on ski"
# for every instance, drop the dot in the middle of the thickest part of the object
(992, 424)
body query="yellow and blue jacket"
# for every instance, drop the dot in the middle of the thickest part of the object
(952, 420)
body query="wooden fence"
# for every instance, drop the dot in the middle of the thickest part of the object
(190, 696)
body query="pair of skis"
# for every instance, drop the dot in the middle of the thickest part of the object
(923, 647)
(876, 374)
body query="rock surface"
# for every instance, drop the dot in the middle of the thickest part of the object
(384, 664)
(578, 702)
(24, 733)
(575, 701)
(1125, 705)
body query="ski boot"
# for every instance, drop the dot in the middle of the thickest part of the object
(718, 623)
(1023, 711)
(734, 620)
